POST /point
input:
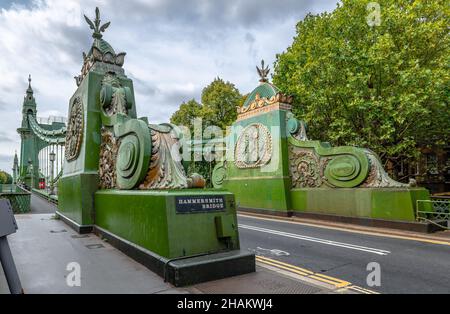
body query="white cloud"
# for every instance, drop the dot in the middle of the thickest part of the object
(174, 49)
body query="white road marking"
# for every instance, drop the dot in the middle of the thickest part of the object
(274, 252)
(317, 240)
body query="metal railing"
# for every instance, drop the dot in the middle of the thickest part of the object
(4, 188)
(436, 210)
(19, 198)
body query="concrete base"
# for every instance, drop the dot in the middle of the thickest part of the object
(81, 229)
(184, 248)
(187, 270)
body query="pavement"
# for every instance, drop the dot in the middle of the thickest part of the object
(408, 263)
(40, 205)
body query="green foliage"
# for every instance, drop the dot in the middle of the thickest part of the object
(220, 100)
(5, 178)
(186, 113)
(218, 108)
(384, 87)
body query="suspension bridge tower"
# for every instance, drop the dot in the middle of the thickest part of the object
(29, 163)
(40, 143)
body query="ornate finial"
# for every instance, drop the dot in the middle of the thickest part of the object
(95, 26)
(263, 72)
(29, 89)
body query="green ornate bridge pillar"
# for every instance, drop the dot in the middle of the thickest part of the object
(124, 179)
(256, 161)
(271, 166)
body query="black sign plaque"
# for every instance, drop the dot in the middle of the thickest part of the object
(197, 204)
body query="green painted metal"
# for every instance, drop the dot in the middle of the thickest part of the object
(134, 153)
(266, 90)
(20, 199)
(437, 209)
(149, 219)
(106, 140)
(349, 168)
(376, 203)
(306, 175)
(272, 181)
(34, 137)
(80, 179)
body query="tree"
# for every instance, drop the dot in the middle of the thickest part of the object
(5, 178)
(187, 112)
(220, 100)
(384, 87)
(218, 108)
(9, 178)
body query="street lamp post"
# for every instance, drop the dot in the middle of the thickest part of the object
(52, 161)
(32, 176)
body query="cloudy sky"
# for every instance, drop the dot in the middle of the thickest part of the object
(174, 49)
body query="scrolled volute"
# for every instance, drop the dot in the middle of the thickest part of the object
(134, 153)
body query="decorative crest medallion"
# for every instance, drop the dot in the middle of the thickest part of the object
(75, 126)
(253, 147)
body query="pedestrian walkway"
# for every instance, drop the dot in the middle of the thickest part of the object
(43, 247)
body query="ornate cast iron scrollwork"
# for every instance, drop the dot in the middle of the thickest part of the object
(342, 167)
(260, 102)
(378, 178)
(296, 128)
(164, 172)
(219, 174)
(75, 128)
(108, 156)
(101, 51)
(304, 168)
(114, 97)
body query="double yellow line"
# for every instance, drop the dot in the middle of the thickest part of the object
(339, 284)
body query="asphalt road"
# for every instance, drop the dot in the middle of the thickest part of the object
(407, 266)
